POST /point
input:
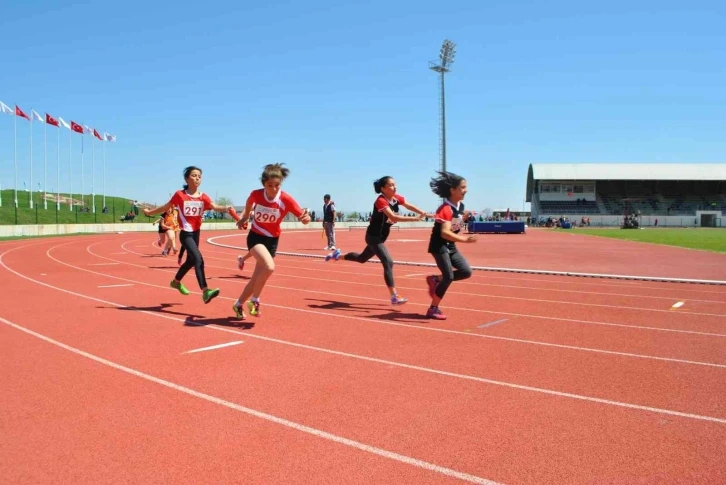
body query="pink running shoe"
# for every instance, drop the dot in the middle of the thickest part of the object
(435, 313)
(240, 263)
(433, 282)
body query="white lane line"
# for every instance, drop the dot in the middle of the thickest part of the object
(371, 359)
(416, 274)
(678, 305)
(259, 414)
(214, 347)
(115, 286)
(102, 264)
(493, 323)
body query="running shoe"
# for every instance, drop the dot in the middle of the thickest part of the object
(435, 313)
(334, 255)
(210, 294)
(179, 286)
(240, 263)
(433, 282)
(254, 308)
(239, 313)
(398, 300)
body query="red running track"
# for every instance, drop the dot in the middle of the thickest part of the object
(533, 379)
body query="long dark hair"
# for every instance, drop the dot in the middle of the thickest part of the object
(380, 183)
(443, 184)
(187, 172)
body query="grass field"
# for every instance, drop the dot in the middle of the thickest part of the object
(117, 207)
(695, 238)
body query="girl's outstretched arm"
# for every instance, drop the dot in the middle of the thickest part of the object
(158, 210)
(245, 217)
(418, 211)
(450, 235)
(392, 216)
(220, 208)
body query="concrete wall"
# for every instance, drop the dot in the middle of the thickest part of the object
(54, 229)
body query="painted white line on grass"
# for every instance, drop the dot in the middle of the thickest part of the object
(214, 347)
(259, 414)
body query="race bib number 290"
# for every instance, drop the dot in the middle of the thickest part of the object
(266, 214)
(193, 207)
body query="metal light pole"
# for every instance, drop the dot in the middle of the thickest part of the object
(446, 59)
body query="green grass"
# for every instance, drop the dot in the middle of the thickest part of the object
(695, 238)
(117, 207)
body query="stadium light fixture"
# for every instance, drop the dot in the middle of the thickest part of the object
(446, 59)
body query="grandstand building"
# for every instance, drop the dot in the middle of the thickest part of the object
(685, 195)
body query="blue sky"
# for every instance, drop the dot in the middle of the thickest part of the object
(343, 93)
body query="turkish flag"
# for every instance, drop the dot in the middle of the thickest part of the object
(97, 135)
(50, 120)
(76, 127)
(19, 112)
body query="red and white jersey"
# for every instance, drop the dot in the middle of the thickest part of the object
(191, 209)
(269, 213)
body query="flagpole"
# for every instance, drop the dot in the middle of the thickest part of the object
(93, 177)
(45, 166)
(104, 170)
(70, 170)
(57, 200)
(31, 158)
(83, 198)
(16, 158)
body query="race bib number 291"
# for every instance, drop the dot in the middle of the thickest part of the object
(193, 207)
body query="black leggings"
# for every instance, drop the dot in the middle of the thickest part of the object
(447, 262)
(375, 247)
(190, 242)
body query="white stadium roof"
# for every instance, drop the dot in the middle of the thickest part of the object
(624, 171)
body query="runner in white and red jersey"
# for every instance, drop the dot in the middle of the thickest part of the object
(268, 207)
(385, 214)
(191, 205)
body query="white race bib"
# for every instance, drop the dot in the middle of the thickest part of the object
(266, 214)
(193, 207)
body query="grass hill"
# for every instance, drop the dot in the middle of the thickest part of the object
(117, 207)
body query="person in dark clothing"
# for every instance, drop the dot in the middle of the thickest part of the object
(329, 221)
(444, 236)
(385, 214)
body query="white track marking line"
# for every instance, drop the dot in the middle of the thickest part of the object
(492, 323)
(468, 294)
(214, 347)
(677, 305)
(457, 332)
(369, 359)
(259, 414)
(115, 286)
(579, 283)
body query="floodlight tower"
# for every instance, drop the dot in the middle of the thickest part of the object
(446, 59)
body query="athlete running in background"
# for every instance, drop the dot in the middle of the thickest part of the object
(385, 214)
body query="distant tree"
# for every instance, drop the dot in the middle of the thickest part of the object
(224, 201)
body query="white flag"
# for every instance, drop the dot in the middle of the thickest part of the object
(63, 123)
(34, 115)
(6, 109)
(109, 137)
(88, 130)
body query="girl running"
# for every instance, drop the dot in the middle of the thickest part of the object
(191, 204)
(270, 206)
(449, 221)
(170, 224)
(161, 238)
(385, 214)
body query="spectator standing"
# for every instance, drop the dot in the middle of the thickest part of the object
(329, 221)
